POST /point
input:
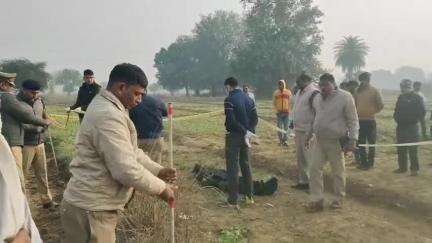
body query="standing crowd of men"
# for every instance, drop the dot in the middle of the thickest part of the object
(120, 142)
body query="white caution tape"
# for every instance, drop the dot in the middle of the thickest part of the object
(202, 115)
(397, 144)
(269, 124)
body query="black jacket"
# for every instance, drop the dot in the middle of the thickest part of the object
(409, 109)
(240, 112)
(147, 117)
(86, 93)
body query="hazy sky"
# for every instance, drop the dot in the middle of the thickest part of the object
(99, 34)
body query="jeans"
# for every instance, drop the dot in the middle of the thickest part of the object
(237, 154)
(367, 134)
(408, 134)
(283, 123)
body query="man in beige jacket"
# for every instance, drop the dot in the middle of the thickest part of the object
(303, 118)
(108, 164)
(335, 129)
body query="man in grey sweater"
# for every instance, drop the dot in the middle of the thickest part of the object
(335, 129)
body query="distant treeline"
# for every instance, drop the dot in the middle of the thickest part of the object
(273, 40)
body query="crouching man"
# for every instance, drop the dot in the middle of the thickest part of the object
(108, 164)
(335, 128)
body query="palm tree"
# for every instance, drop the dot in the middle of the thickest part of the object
(350, 54)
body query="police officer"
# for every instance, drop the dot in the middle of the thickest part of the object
(88, 90)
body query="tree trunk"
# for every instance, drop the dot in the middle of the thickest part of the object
(212, 91)
(197, 92)
(187, 90)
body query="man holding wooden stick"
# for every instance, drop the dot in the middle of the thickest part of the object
(108, 164)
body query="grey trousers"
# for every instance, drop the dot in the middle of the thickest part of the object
(408, 134)
(237, 155)
(283, 123)
(327, 150)
(303, 157)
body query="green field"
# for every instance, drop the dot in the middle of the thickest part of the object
(380, 205)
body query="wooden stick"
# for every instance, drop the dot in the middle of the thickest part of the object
(171, 160)
(53, 151)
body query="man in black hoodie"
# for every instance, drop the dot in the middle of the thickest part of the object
(408, 112)
(88, 90)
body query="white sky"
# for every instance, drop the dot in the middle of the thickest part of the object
(99, 34)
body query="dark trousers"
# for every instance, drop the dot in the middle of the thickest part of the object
(408, 134)
(237, 155)
(81, 117)
(367, 135)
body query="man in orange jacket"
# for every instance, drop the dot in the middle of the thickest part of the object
(281, 103)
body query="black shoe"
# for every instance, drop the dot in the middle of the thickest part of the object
(50, 205)
(301, 187)
(399, 171)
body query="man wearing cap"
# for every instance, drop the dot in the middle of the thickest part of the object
(14, 115)
(88, 90)
(408, 112)
(34, 148)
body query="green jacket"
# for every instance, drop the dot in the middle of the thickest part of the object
(15, 113)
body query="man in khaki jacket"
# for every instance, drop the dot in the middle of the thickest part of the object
(108, 164)
(335, 129)
(369, 102)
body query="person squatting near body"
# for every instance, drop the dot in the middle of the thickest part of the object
(241, 120)
(334, 132)
(16, 222)
(302, 124)
(14, 114)
(281, 103)
(108, 165)
(148, 120)
(369, 103)
(88, 90)
(408, 112)
(34, 147)
(417, 89)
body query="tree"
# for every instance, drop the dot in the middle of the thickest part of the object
(203, 59)
(413, 73)
(25, 69)
(282, 39)
(69, 78)
(176, 65)
(350, 54)
(217, 35)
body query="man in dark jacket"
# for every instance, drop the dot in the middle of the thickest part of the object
(88, 90)
(240, 123)
(14, 114)
(148, 118)
(408, 112)
(34, 147)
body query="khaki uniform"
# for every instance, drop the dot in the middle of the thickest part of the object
(107, 167)
(335, 118)
(34, 156)
(18, 156)
(153, 148)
